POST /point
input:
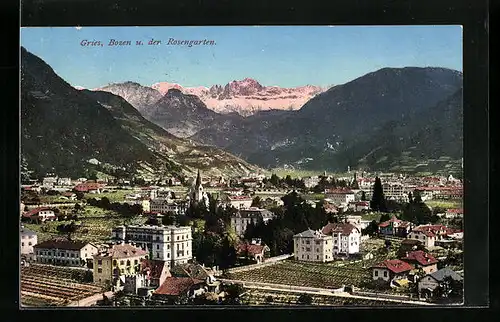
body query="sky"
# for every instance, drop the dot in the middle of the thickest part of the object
(286, 56)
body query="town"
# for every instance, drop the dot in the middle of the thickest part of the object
(357, 238)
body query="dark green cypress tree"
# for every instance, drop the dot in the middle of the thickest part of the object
(378, 200)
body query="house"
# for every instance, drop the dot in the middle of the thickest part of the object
(41, 214)
(151, 275)
(254, 251)
(408, 245)
(174, 182)
(239, 202)
(64, 181)
(330, 208)
(429, 234)
(340, 196)
(178, 289)
(164, 206)
(427, 238)
(49, 181)
(167, 243)
(88, 187)
(28, 240)
(454, 213)
(197, 272)
(64, 252)
(390, 269)
(395, 227)
(250, 182)
(313, 246)
(69, 195)
(421, 259)
(346, 238)
(241, 219)
(428, 284)
(395, 191)
(359, 205)
(233, 191)
(114, 263)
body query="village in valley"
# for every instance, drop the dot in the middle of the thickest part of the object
(353, 238)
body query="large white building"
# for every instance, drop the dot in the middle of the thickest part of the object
(64, 252)
(167, 243)
(346, 238)
(313, 246)
(395, 191)
(244, 217)
(340, 196)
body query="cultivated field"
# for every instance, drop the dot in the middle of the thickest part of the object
(43, 285)
(307, 274)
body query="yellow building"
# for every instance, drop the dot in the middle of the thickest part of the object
(118, 261)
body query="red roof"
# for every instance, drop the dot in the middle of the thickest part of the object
(344, 228)
(339, 191)
(394, 265)
(35, 211)
(86, 186)
(362, 203)
(455, 211)
(420, 257)
(251, 249)
(154, 267)
(177, 285)
(240, 198)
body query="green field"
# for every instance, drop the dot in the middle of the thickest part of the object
(448, 204)
(116, 196)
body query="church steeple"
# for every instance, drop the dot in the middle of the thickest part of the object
(198, 179)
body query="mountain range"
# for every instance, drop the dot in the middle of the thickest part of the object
(79, 132)
(245, 97)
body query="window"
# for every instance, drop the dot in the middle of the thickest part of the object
(157, 238)
(168, 255)
(114, 262)
(128, 262)
(157, 255)
(22, 244)
(122, 270)
(122, 262)
(376, 273)
(308, 242)
(302, 256)
(385, 273)
(136, 262)
(99, 262)
(99, 270)
(307, 256)
(157, 246)
(317, 250)
(317, 242)
(177, 237)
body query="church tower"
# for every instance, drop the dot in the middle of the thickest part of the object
(198, 188)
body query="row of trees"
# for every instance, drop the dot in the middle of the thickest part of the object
(123, 209)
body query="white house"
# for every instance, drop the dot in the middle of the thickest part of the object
(244, 217)
(340, 196)
(64, 252)
(390, 269)
(41, 214)
(428, 283)
(429, 234)
(346, 238)
(239, 202)
(28, 240)
(167, 243)
(313, 246)
(164, 206)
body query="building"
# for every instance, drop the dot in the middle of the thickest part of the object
(113, 264)
(311, 182)
(313, 246)
(340, 196)
(395, 191)
(429, 234)
(454, 213)
(239, 202)
(395, 227)
(167, 243)
(152, 274)
(164, 206)
(41, 214)
(346, 238)
(49, 181)
(28, 240)
(244, 217)
(64, 252)
(428, 284)
(254, 251)
(359, 205)
(390, 269)
(179, 289)
(196, 194)
(64, 181)
(88, 187)
(421, 259)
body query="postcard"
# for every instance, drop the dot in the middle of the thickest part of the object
(267, 166)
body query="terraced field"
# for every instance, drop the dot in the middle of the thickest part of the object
(44, 285)
(322, 275)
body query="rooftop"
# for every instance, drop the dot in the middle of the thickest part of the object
(61, 244)
(175, 286)
(123, 251)
(394, 265)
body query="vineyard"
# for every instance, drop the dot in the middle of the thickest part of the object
(44, 285)
(291, 272)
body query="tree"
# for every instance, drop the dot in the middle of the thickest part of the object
(410, 197)
(168, 219)
(305, 299)
(257, 202)
(233, 293)
(384, 217)
(275, 180)
(371, 229)
(378, 200)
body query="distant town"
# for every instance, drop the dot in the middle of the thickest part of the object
(350, 239)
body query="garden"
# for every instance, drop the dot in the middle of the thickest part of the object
(43, 285)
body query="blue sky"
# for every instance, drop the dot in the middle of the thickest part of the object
(285, 56)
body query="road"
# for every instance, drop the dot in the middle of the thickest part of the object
(317, 291)
(91, 300)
